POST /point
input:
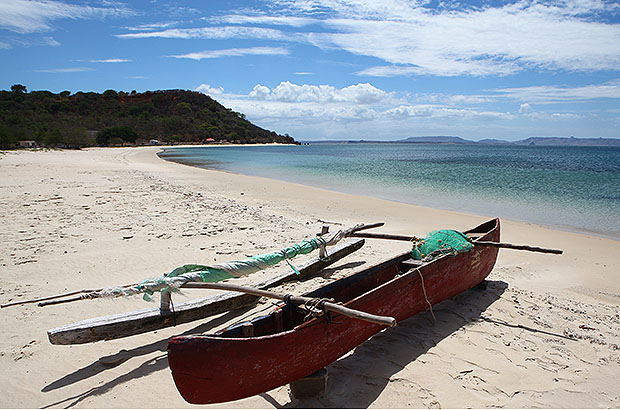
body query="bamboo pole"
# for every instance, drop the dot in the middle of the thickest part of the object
(297, 300)
(477, 243)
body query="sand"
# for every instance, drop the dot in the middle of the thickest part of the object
(545, 333)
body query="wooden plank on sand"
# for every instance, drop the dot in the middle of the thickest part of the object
(146, 320)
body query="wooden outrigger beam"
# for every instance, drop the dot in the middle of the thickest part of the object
(146, 320)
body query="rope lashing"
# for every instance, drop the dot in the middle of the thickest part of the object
(316, 307)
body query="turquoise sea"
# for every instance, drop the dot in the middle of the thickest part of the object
(572, 188)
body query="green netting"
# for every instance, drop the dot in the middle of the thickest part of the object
(248, 266)
(215, 273)
(439, 243)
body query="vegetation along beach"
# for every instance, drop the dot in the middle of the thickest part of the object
(310, 204)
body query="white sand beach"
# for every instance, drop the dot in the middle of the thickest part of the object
(545, 333)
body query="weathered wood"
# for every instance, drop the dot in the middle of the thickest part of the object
(297, 300)
(146, 320)
(519, 247)
(324, 230)
(383, 236)
(412, 263)
(164, 303)
(476, 242)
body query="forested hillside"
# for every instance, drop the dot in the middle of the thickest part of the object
(113, 118)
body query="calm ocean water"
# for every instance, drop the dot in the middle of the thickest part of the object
(574, 188)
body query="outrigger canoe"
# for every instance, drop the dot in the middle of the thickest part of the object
(281, 347)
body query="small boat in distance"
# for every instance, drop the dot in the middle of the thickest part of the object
(256, 356)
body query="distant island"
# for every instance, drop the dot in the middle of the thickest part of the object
(532, 141)
(42, 118)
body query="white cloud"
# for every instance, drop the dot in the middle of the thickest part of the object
(263, 19)
(208, 90)
(554, 116)
(525, 108)
(234, 52)
(552, 94)
(152, 26)
(435, 111)
(4, 46)
(452, 40)
(225, 32)
(289, 92)
(111, 60)
(64, 70)
(260, 92)
(359, 102)
(51, 41)
(28, 16)
(362, 110)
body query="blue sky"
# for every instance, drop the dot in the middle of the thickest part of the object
(339, 69)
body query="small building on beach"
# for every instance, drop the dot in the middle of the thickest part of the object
(28, 144)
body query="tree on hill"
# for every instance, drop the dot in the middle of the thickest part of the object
(121, 133)
(18, 88)
(172, 115)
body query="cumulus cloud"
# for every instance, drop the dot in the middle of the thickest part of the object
(28, 16)
(208, 90)
(234, 52)
(286, 91)
(365, 111)
(358, 102)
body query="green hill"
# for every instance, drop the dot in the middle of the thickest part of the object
(114, 118)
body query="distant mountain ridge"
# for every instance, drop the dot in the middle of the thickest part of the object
(532, 141)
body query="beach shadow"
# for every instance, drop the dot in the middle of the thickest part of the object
(153, 365)
(328, 272)
(112, 361)
(373, 363)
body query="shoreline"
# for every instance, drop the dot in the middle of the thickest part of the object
(559, 227)
(544, 334)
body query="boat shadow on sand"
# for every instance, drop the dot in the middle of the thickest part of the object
(373, 364)
(153, 364)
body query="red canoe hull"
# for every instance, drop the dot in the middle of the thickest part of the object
(213, 369)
